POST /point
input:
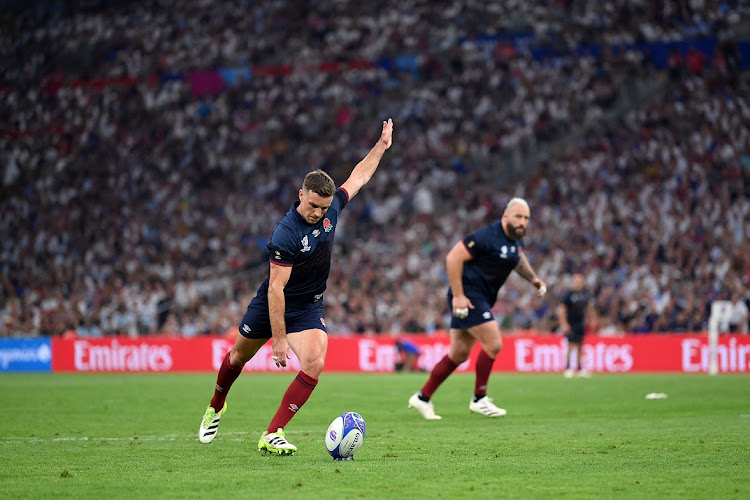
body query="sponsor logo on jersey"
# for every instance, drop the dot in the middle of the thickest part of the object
(316, 232)
(486, 315)
(323, 321)
(327, 226)
(305, 245)
(504, 252)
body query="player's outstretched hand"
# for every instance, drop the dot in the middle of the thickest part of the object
(386, 137)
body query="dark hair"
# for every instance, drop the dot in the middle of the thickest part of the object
(319, 182)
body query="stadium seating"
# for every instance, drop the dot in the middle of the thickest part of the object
(139, 187)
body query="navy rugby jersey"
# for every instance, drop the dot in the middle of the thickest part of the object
(307, 249)
(494, 256)
(575, 303)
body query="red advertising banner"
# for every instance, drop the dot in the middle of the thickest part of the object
(522, 354)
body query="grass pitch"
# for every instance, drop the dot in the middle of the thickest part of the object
(135, 436)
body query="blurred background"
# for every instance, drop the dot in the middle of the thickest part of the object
(148, 148)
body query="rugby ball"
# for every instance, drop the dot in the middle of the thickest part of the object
(345, 435)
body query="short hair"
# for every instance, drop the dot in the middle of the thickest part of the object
(514, 201)
(319, 182)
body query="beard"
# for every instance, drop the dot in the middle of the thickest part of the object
(516, 232)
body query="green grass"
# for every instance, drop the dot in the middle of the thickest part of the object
(135, 436)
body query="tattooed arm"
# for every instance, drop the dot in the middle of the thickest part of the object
(524, 269)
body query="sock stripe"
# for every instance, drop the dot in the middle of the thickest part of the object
(306, 380)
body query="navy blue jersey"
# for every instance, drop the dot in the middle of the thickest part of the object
(307, 249)
(494, 256)
(575, 307)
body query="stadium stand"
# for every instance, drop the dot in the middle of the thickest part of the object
(146, 149)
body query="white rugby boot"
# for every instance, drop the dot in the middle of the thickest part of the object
(425, 408)
(486, 407)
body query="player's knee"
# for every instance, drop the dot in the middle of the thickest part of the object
(458, 356)
(492, 349)
(237, 358)
(459, 359)
(313, 367)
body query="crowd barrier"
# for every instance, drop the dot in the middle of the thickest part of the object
(676, 353)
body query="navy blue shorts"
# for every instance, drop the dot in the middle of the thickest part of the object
(257, 324)
(575, 335)
(482, 313)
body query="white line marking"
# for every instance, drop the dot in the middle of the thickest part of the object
(168, 437)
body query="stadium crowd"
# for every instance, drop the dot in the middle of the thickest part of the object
(138, 207)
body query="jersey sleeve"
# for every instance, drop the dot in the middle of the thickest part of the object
(475, 243)
(342, 198)
(283, 246)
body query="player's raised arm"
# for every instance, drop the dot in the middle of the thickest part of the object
(365, 168)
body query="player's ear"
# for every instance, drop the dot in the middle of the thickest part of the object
(301, 192)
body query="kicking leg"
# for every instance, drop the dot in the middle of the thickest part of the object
(310, 346)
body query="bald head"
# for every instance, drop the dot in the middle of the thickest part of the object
(516, 218)
(517, 201)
